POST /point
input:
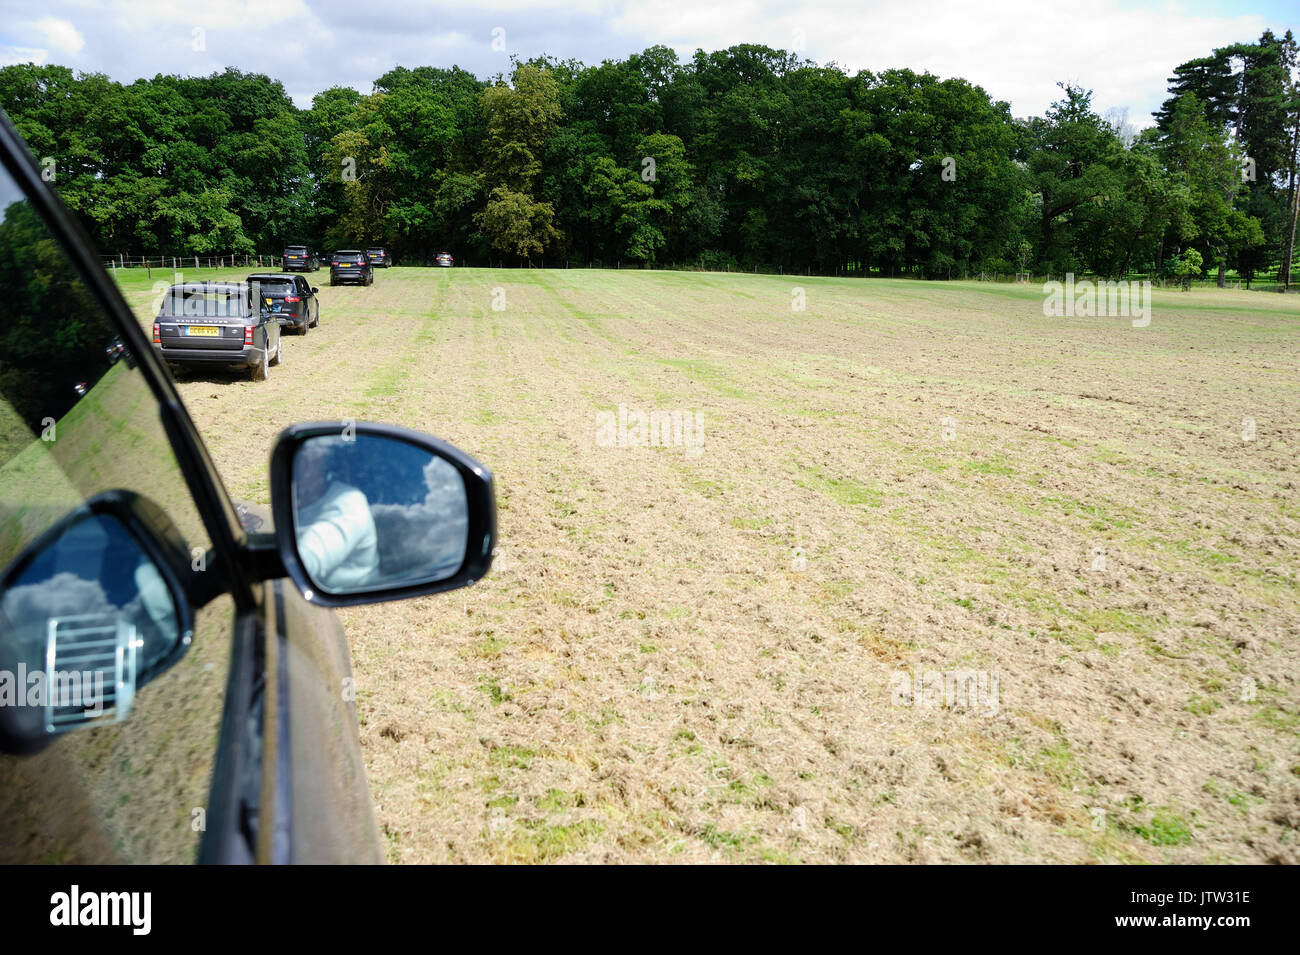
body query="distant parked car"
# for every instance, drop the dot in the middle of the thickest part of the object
(351, 265)
(298, 258)
(217, 323)
(445, 260)
(291, 300)
(378, 257)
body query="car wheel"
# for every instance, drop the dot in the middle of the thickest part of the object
(279, 351)
(316, 321)
(262, 370)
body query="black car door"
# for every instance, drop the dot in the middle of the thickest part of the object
(308, 300)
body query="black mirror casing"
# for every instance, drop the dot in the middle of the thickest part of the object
(480, 501)
(148, 527)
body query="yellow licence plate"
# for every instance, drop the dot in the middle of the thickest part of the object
(203, 330)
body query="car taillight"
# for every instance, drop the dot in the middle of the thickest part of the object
(292, 298)
(248, 334)
(157, 334)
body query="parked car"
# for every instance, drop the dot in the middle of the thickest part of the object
(217, 323)
(203, 708)
(291, 300)
(298, 258)
(350, 265)
(378, 257)
(445, 260)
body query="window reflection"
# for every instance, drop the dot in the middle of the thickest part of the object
(373, 511)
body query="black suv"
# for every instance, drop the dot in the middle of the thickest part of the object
(290, 299)
(378, 257)
(197, 701)
(350, 265)
(298, 258)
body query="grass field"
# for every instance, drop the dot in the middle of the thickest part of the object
(693, 653)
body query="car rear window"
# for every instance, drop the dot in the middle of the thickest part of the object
(276, 286)
(348, 257)
(204, 303)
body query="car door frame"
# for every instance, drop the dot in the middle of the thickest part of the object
(309, 298)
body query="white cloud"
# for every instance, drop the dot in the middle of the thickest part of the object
(1017, 49)
(58, 35)
(13, 55)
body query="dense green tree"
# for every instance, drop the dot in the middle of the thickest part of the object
(520, 119)
(745, 157)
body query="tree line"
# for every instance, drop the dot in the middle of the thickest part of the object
(743, 158)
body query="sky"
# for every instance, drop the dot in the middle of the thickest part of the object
(1017, 50)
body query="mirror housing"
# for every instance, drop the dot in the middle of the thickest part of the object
(90, 612)
(413, 545)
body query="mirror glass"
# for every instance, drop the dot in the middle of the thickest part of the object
(374, 512)
(82, 621)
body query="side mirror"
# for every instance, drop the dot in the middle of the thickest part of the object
(314, 290)
(89, 612)
(371, 512)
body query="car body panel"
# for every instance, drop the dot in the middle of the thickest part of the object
(328, 800)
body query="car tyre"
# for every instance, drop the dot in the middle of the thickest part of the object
(279, 351)
(262, 370)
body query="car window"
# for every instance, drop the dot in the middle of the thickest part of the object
(204, 302)
(79, 424)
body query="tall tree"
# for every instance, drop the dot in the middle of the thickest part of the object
(520, 119)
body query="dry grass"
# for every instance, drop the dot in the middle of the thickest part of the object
(648, 676)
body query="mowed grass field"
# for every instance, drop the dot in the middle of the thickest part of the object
(696, 656)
